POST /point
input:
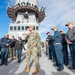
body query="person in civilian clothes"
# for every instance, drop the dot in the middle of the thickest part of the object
(12, 48)
(50, 49)
(58, 48)
(64, 48)
(5, 43)
(70, 39)
(18, 47)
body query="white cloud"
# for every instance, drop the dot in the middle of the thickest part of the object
(58, 12)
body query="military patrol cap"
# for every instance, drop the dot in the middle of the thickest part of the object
(55, 27)
(30, 26)
(61, 30)
(69, 23)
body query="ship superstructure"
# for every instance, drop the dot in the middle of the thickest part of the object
(24, 13)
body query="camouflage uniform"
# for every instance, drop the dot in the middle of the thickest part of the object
(33, 38)
(46, 43)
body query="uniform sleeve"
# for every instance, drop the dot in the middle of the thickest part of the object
(26, 39)
(38, 39)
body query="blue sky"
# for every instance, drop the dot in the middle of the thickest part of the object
(58, 12)
(4, 20)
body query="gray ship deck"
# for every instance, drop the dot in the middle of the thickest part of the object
(46, 68)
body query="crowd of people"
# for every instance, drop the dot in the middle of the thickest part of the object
(11, 47)
(57, 46)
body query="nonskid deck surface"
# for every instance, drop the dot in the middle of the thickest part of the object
(46, 67)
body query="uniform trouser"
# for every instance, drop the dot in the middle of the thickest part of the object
(34, 52)
(47, 50)
(19, 54)
(65, 53)
(4, 55)
(50, 51)
(12, 52)
(39, 51)
(59, 55)
(72, 52)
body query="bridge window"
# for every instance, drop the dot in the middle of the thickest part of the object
(15, 28)
(11, 28)
(37, 28)
(22, 27)
(26, 27)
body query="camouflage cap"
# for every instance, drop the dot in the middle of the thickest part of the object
(55, 27)
(69, 23)
(31, 26)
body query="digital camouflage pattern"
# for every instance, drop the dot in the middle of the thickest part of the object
(33, 38)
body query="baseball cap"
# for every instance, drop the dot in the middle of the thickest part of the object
(69, 23)
(48, 33)
(55, 27)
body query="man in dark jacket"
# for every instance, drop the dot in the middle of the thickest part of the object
(64, 48)
(58, 48)
(18, 47)
(50, 45)
(70, 39)
(5, 43)
(12, 48)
